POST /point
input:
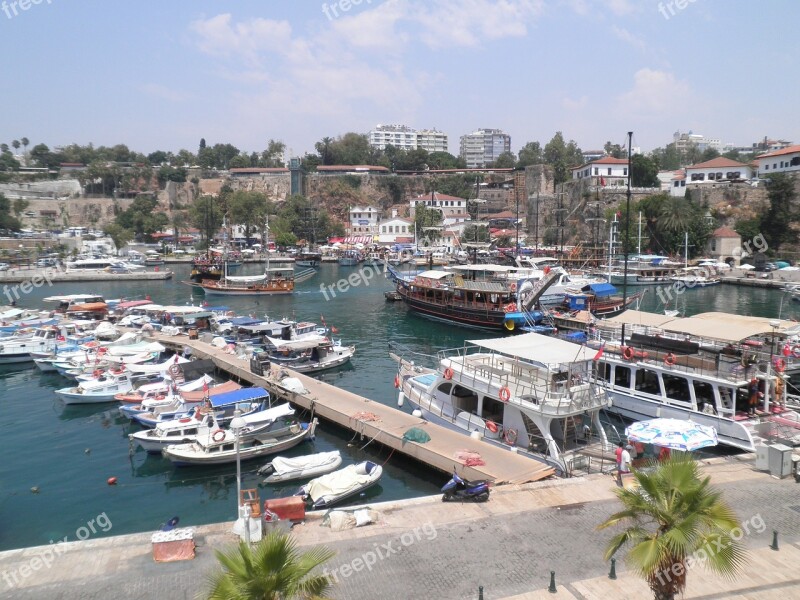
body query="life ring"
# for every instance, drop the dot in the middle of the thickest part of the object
(448, 373)
(491, 426)
(102, 350)
(397, 381)
(513, 286)
(174, 370)
(218, 439)
(780, 365)
(510, 307)
(61, 338)
(510, 436)
(669, 359)
(627, 353)
(187, 420)
(505, 394)
(796, 351)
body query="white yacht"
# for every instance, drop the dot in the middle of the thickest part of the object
(529, 392)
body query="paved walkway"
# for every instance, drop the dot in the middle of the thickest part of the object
(424, 548)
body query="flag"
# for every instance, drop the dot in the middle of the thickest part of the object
(334, 329)
(176, 359)
(599, 354)
(602, 181)
(205, 388)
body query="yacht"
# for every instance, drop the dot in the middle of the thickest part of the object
(643, 269)
(530, 393)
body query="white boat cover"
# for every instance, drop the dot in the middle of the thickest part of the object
(306, 342)
(158, 368)
(283, 465)
(270, 414)
(246, 278)
(106, 329)
(137, 348)
(339, 482)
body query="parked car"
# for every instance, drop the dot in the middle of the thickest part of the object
(46, 262)
(767, 267)
(4, 266)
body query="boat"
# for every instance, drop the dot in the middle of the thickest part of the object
(65, 302)
(153, 259)
(282, 469)
(221, 446)
(308, 355)
(529, 393)
(643, 269)
(692, 277)
(374, 259)
(698, 368)
(201, 423)
(18, 348)
(350, 258)
(307, 258)
(340, 485)
(392, 296)
(102, 389)
(82, 265)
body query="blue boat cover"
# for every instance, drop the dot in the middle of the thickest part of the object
(217, 308)
(245, 321)
(242, 395)
(601, 289)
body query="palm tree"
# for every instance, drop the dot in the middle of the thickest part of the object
(676, 215)
(674, 521)
(273, 570)
(25, 141)
(16, 145)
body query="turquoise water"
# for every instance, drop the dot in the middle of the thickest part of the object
(68, 453)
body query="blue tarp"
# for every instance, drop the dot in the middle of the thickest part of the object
(242, 395)
(245, 321)
(217, 308)
(601, 289)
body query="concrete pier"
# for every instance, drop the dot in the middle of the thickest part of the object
(57, 276)
(347, 410)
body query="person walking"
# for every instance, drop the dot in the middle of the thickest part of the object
(624, 463)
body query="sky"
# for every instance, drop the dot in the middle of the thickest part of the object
(161, 75)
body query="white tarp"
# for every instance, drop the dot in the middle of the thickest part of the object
(283, 465)
(339, 483)
(537, 348)
(159, 368)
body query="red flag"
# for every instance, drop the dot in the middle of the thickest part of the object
(176, 359)
(334, 330)
(205, 387)
(599, 354)
(602, 180)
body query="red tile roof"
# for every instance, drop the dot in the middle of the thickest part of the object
(719, 162)
(606, 160)
(437, 196)
(259, 170)
(784, 151)
(335, 168)
(725, 232)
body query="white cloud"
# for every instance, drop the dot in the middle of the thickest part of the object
(655, 94)
(620, 7)
(374, 28)
(628, 37)
(217, 36)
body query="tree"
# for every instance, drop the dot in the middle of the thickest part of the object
(323, 148)
(4, 148)
(506, 160)
(142, 218)
(428, 222)
(157, 158)
(20, 204)
(675, 216)
(240, 161)
(6, 220)
(530, 154)
(709, 154)
(445, 160)
(202, 145)
(562, 157)
(668, 158)
(285, 239)
(671, 521)
(25, 141)
(776, 224)
(16, 145)
(118, 234)
(206, 216)
(248, 209)
(644, 171)
(274, 570)
(273, 156)
(615, 150)
(475, 233)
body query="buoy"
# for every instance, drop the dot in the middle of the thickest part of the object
(112, 481)
(35, 489)
(87, 451)
(417, 413)
(400, 398)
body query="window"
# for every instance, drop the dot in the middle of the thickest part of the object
(683, 183)
(704, 395)
(609, 170)
(677, 184)
(677, 388)
(766, 167)
(713, 245)
(711, 177)
(604, 372)
(596, 171)
(647, 381)
(795, 162)
(622, 376)
(719, 176)
(625, 171)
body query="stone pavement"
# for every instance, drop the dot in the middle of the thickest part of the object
(424, 548)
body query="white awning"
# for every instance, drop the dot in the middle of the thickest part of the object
(638, 317)
(434, 274)
(538, 348)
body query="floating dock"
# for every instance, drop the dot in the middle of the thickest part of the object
(375, 421)
(57, 276)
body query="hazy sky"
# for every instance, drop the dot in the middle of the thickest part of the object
(161, 75)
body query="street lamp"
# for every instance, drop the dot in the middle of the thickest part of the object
(774, 324)
(237, 423)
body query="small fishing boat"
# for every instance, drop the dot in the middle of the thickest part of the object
(340, 485)
(309, 354)
(301, 467)
(99, 390)
(220, 446)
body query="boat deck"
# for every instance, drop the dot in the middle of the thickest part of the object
(386, 425)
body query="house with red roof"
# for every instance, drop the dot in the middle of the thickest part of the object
(718, 169)
(724, 244)
(448, 205)
(779, 161)
(606, 171)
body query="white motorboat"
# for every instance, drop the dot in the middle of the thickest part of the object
(340, 485)
(220, 447)
(18, 348)
(100, 390)
(309, 354)
(525, 392)
(301, 467)
(201, 423)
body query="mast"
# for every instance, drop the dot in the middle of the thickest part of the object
(627, 236)
(639, 250)
(686, 250)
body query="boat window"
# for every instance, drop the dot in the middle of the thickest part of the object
(228, 447)
(726, 397)
(604, 372)
(622, 376)
(677, 388)
(465, 400)
(704, 395)
(492, 410)
(647, 381)
(445, 388)
(192, 431)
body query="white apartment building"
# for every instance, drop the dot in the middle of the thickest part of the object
(483, 146)
(408, 138)
(449, 205)
(786, 159)
(396, 230)
(608, 171)
(364, 220)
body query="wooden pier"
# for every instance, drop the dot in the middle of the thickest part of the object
(384, 424)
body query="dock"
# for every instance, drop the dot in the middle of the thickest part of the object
(374, 421)
(52, 275)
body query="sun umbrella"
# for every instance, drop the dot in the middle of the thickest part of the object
(672, 433)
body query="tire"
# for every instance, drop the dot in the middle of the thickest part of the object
(482, 497)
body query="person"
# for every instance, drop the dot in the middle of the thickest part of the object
(664, 454)
(618, 453)
(755, 395)
(624, 462)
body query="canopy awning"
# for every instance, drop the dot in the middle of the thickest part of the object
(638, 317)
(242, 395)
(304, 344)
(537, 348)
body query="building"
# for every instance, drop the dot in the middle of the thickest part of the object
(778, 161)
(408, 138)
(364, 220)
(396, 230)
(245, 172)
(448, 205)
(769, 145)
(718, 169)
(484, 146)
(352, 170)
(678, 184)
(683, 141)
(590, 155)
(608, 171)
(724, 244)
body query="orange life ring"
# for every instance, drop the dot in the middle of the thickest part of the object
(218, 439)
(780, 365)
(510, 307)
(669, 359)
(505, 394)
(513, 286)
(491, 426)
(174, 370)
(448, 373)
(61, 338)
(627, 353)
(397, 381)
(187, 420)
(102, 350)
(510, 436)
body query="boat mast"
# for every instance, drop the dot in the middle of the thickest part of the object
(686, 250)
(639, 250)
(627, 236)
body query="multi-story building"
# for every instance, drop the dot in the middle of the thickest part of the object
(608, 171)
(484, 146)
(408, 138)
(448, 205)
(785, 159)
(364, 220)
(718, 169)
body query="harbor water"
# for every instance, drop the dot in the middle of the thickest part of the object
(57, 459)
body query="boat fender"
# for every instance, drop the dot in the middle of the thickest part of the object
(448, 373)
(780, 365)
(669, 359)
(510, 436)
(216, 437)
(505, 394)
(400, 399)
(491, 426)
(513, 286)
(112, 481)
(397, 381)
(627, 353)
(509, 324)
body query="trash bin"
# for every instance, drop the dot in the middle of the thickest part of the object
(193, 334)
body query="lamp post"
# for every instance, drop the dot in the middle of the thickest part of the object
(774, 324)
(236, 426)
